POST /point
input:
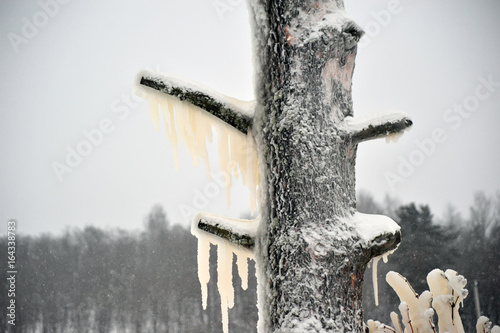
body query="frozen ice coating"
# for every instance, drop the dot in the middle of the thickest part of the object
(194, 128)
(396, 323)
(447, 292)
(374, 278)
(242, 264)
(404, 291)
(405, 315)
(225, 251)
(483, 324)
(225, 282)
(204, 267)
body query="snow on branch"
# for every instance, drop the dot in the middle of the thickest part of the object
(236, 231)
(389, 124)
(232, 111)
(379, 233)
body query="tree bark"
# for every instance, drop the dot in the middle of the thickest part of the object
(311, 258)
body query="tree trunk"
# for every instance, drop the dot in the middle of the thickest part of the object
(310, 248)
(312, 260)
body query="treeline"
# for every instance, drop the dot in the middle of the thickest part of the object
(93, 280)
(470, 246)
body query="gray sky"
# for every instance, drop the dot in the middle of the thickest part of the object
(74, 71)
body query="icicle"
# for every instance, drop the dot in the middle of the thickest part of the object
(194, 127)
(393, 137)
(224, 161)
(154, 112)
(375, 260)
(204, 267)
(374, 278)
(225, 282)
(167, 109)
(242, 264)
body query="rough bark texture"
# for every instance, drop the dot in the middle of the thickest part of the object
(311, 260)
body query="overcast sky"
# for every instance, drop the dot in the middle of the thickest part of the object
(67, 69)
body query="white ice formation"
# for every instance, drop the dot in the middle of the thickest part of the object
(225, 251)
(447, 293)
(194, 128)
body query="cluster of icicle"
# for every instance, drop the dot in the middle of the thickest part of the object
(194, 128)
(446, 295)
(225, 251)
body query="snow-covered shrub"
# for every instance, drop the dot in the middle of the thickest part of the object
(447, 293)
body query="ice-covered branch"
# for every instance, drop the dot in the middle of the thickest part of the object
(232, 111)
(236, 231)
(378, 125)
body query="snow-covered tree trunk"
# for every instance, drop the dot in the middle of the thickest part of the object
(311, 256)
(311, 246)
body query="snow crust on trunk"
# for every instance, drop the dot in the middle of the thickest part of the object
(225, 251)
(194, 128)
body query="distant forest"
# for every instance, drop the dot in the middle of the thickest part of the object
(93, 280)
